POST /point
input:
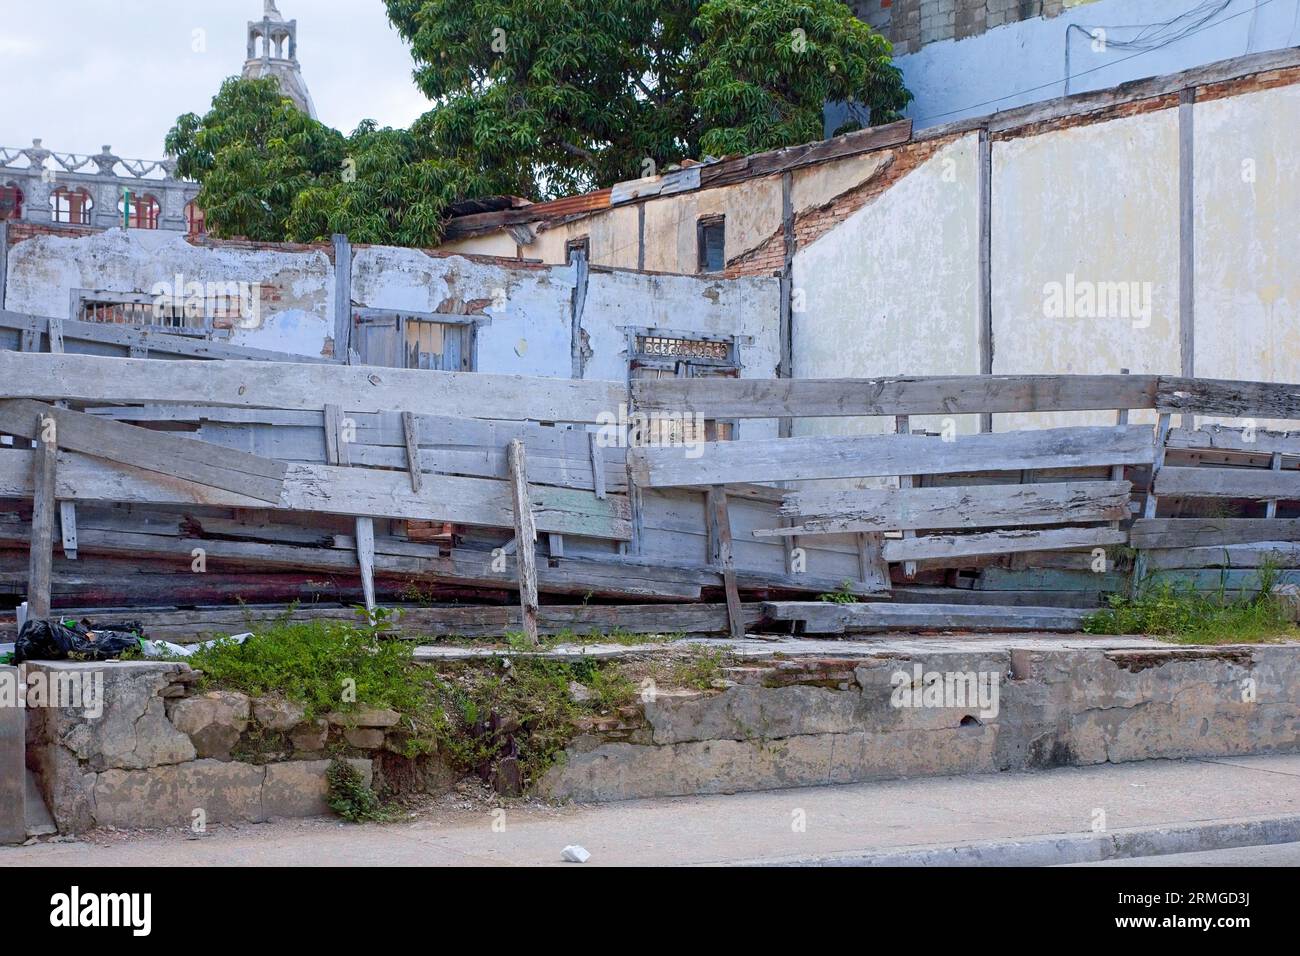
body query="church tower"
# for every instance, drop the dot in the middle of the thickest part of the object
(273, 51)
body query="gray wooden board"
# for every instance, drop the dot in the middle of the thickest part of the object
(947, 395)
(1206, 532)
(797, 459)
(185, 458)
(1221, 438)
(334, 490)
(1282, 554)
(832, 618)
(894, 509)
(1000, 542)
(1228, 483)
(1236, 399)
(83, 378)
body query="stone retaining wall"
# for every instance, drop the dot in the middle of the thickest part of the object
(158, 754)
(807, 722)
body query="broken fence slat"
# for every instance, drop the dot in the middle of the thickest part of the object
(832, 618)
(1257, 483)
(1000, 542)
(526, 535)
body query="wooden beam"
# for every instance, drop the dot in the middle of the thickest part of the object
(168, 454)
(727, 562)
(334, 490)
(985, 201)
(1207, 532)
(95, 379)
(800, 459)
(1257, 483)
(411, 432)
(970, 506)
(938, 395)
(342, 298)
(526, 535)
(366, 559)
(1222, 438)
(829, 618)
(1228, 399)
(41, 555)
(1000, 542)
(1187, 238)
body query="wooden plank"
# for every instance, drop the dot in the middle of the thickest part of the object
(726, 560)
(99, 380)
(1230, 399)
(1206, 532)
(1270, 509)
(334, 490)
(1282, 554)
(55, 332)
(796, 459)
(973, 506)
(68, 528)
(1256, 483)
(903, 426)
(1000, 542)
(985, 202)
(526, 535)
(44, 462)
(366, 559)
(831, 618)
(1221, 438)
(577, 306)
(939, 395)
(410, 430)
(342, 297)
(597, 465)
(873, 569)
(168, 454)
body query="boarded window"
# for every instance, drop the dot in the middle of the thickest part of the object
(711, 235)
(581, 244)
(141, 310)
(659, 354)
(415, 340)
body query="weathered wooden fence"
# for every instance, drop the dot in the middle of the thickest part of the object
(200, 483)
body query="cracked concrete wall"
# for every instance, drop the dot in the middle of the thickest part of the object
(803, 723)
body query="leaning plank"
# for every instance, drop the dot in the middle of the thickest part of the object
(1228, 483)
(796, 459)
(1000, 542)
(1207, 532)
(333, 490)
(830, 618)
(1235, 399)
(195, 461)
(86, 378)
(976, 506)
(525, 538)
(947, 395)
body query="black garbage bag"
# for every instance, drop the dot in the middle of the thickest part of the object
(55, 640)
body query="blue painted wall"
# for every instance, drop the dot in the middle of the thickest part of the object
(1026, 62)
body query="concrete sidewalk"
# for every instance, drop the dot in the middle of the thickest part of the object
(1236, 801)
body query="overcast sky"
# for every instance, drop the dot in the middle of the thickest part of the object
(82, 73)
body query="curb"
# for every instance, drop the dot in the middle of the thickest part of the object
(1059, 849)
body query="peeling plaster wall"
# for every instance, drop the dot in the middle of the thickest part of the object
(1098, 202)
(297, 288)
(1248, 237)
(893, 290)
(530, 335)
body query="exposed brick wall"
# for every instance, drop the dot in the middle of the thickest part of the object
(911, 24)
(20, 230)
(768, 257)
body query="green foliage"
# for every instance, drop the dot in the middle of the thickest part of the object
(700, 670)
(537, 98)
(1187, 616)
(841, 595)
(349, 796)
(314, 663)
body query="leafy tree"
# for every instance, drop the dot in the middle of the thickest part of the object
(536, 98)
(254, 153)
(583, 93)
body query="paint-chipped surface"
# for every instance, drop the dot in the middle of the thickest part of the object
(1077, 209)
(893, 290)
